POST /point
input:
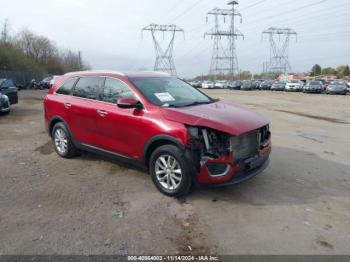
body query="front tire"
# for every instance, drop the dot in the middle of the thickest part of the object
(170, 171)
(63, 142)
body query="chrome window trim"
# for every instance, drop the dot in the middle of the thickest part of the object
(95, 100)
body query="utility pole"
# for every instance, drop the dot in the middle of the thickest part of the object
(279, 47)
(224, 58)
(4, 31)
(164, 59)
(80, 61)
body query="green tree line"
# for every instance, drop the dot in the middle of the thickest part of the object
(27, 51)
(340, 71)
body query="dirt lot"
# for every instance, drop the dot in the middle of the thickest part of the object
(93, 205)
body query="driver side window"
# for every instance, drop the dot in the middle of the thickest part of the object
(115, 89)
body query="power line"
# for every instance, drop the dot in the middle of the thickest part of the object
(187, 10)
(287, 12)
(254, 4)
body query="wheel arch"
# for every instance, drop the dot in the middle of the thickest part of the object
(156, 142)
(54, 120)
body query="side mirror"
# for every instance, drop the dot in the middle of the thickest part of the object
(128, 103)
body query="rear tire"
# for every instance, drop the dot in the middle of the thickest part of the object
(63, 142)
(170, 171)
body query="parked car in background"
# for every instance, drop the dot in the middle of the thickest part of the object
(337, 87)
(180, 135)
(8, 95)
(313, 87)
(221, 84)
(45, 83)
(266, 85)
(234, 85)
(208, 84)
(294, 86)
(257, 83)
(278, 86)
(348, 85)
(248, 85)
(196, 84)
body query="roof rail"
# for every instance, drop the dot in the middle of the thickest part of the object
(96, 72)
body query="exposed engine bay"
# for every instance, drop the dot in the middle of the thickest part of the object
(211, 144)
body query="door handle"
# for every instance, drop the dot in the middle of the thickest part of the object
(102, 112)
(67, 105)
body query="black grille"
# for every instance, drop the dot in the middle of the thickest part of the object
(248, 145)
(264, 134)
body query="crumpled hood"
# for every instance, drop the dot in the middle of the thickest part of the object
(226, 117)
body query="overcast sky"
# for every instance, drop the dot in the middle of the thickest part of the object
(108, 32)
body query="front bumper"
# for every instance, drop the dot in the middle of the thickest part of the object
(312, 91)
(293, 89)
(235, 172)
(336, 92)
(4, 106)
(4, 109)
(242, 176)
(278, 89)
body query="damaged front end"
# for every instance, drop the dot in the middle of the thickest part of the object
(221, 158)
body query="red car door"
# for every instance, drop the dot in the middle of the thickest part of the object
(83, 109)
(119, 130)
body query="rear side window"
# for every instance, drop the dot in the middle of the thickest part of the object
(89, 87)
(67, 87)
(115, 89)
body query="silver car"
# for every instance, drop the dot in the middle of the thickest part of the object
(337, 87)
(278, 86)
(313, 87)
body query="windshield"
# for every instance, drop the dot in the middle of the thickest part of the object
(294, 82)
(169, 92)
(338, 83)
(314, 83)
(1, 81)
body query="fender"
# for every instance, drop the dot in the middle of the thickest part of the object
(58, 119)
(157, 138)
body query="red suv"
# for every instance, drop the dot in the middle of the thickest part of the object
(159, 122)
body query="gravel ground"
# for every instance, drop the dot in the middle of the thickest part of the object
(94, 205)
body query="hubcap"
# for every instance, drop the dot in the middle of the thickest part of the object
(61, 141)
(168, 172)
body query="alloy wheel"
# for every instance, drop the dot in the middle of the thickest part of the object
(168, 172)
(61, 141)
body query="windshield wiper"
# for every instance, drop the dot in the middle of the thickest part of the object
(196, 103)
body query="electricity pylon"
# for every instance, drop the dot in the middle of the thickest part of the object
(164, 59)
(224, 58)
(279, 47)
